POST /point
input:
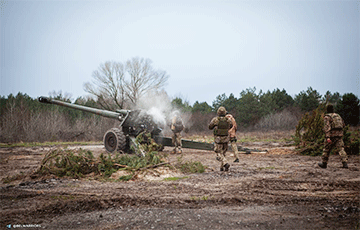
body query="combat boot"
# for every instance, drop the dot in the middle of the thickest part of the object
(179, 151)
(226, 167)
(236, 160)
(345, 165)
(323, 165)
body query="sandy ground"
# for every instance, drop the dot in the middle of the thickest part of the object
(274, 189)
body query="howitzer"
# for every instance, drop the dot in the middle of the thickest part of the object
(132, 123)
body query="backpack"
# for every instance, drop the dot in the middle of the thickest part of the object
(177, 125)
(222, 127)
(336, 121)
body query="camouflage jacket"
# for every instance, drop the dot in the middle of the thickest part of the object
(232, 130)
(213, 125)
(177, 125)
(330, 132)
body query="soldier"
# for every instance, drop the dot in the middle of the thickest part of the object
(333, 128)
(232, 136)
(176, 127)
(221, 126)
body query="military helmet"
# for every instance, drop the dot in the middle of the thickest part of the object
(221, 111)
(329, 108)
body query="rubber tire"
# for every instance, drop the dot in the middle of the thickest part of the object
(115, 140)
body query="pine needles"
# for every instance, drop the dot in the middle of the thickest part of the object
(78, 163)
(64, 162)
(309, 135)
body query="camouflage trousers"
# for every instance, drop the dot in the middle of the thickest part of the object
(220, 150)
(176, 141)
(234, 147)
(337, 144)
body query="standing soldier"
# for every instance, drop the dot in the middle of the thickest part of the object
(232, 136)
(176, 127)
(333, 128)
(221, 126)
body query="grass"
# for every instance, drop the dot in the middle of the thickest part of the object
(266, 136)
(201, 138)
(250, 136)
(10, 179)
(175, 178)
(199, 198)
(125, 178)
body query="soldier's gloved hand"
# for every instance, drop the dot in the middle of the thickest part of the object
(328, 140)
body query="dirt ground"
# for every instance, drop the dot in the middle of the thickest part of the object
(273, 189)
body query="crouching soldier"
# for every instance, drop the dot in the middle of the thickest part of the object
(221, 126)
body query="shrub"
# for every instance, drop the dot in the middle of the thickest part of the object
(352, 141)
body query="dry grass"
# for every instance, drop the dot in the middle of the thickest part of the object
(273, 135)
(249, 136)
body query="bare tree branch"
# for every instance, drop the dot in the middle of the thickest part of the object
(116, 85)
(108, 85)
(143, 78)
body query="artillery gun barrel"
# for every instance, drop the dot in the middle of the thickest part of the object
(105, 113)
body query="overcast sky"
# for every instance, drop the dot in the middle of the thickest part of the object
(207, 47)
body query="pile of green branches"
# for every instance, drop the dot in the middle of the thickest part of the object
(189, 166)
(78, 163)
(309, 135)
(131, 163)
(64, 162)
(145, 144)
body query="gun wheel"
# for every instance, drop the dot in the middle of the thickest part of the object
(115, 140)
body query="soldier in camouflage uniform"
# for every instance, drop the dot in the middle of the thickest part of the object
(221, 126)
(176, 127)
(232, 135)
(333, 128)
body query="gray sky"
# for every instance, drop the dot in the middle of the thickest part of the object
(207, 47)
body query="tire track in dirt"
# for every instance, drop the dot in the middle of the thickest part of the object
(280, 190)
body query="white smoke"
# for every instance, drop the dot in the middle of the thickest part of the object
(158, 105)
(158, 116)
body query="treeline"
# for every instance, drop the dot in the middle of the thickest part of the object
(23, 118)
(275, 109)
